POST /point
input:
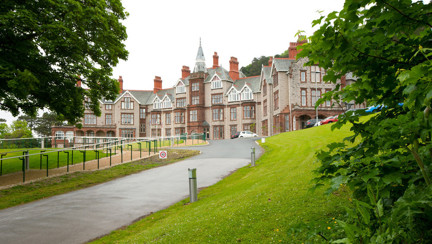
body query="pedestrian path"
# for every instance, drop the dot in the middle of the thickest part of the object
(86, 214)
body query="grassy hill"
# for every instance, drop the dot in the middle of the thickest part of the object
(265, 203)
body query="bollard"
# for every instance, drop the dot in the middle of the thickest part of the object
(252, 156)
(263, 140)
(193, 187)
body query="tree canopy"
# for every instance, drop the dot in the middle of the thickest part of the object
(254, 68)
(387, 163)
(42, 124)
(47, 46)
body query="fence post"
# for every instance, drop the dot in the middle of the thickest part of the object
(40, 166)
(58, 159)
(139, 143)
(67, 162)
(130, 145)
(23, 167)
(84, 157)
(1, 163)
(46, 163)
(97, 155)
(110, 154)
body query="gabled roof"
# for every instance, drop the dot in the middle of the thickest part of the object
(282, 64)
(266, 74)
(143, 97)
(124, 93)
(252, 82)
(221, 72)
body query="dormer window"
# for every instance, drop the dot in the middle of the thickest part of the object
(166, 103)
(233, 96)
(246, 94)
(181, 88)
(157, 104)
(216, 83)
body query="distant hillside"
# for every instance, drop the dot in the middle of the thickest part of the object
(254, 68)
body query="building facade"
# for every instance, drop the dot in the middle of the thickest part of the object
(217, 102)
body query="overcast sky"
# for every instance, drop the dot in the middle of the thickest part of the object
(164, 35)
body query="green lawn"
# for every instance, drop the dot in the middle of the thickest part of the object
(263, 204)
(78, 180)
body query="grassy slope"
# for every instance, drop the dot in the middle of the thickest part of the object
(252, 205)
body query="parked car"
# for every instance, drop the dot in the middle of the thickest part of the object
(373, 109)
(311, 122)
(236, 135)
(247, 134)
(329, 120)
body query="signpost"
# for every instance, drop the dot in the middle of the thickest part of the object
(163, 154)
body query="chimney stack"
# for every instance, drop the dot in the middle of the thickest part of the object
(185, 72)
(270, 61)
(234, 71)
(120, 80)
(215, 60)
(293, 47)
(157, 84)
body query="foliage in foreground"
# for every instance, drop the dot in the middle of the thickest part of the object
(46, 45)
(263, 204)
(384, 43)
(70, 182)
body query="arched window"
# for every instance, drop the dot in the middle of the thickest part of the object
(69, 135)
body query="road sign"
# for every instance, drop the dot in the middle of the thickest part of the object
(163, 154)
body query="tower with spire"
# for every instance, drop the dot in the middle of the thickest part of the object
(200, 65)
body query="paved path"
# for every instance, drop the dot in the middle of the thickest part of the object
(86, 214)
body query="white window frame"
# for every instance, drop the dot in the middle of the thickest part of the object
(216, 82)
(246, 93)
(233, 95)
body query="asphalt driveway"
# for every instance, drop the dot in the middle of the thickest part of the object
(83, 215)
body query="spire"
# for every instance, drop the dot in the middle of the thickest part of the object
(200, 65)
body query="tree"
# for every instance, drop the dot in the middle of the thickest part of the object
(20, 129)
(386, 164)
(46, 45)
(254, 68)
(4, 130)
(45, 122)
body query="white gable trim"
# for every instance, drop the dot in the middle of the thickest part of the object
(214, 77)
(156, 97)
(122, 95)
(166, 96)
(229, 90)
(180, 81)
(245, 85)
